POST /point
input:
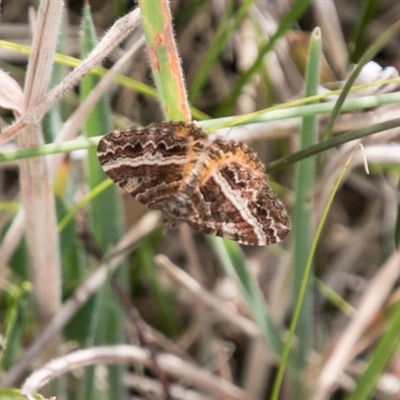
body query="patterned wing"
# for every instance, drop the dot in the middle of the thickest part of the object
(150, 163)
(216, 187)
(234, 200)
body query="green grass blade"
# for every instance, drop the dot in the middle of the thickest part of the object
(368, 12)
(331, 143)
(83, 203)
(79, 144)
(15, 320)
(106, 230)
(15, 394)
(12, 206)
(234, 264)
(147, 273)
(381, 356)
(304, 189)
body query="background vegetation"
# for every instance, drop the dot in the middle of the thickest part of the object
(88, 276)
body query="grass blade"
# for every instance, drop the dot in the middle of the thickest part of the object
(304, 189)
(164, 59)
(35, 178)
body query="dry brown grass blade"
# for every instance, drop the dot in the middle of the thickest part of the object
(198, 293)
(11, 96)
(143, 384)
(335, 48)
(172, 365)
(35, 179)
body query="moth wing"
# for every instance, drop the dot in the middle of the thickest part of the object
(149, 163)
(233, 199)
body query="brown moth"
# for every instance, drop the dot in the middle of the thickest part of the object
(216, 186)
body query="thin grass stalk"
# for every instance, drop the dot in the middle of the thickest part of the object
(368, 10)
(35, 178)
(84, 202)
(331, 143)
(335, 47)
(164, 59)
(290, 109)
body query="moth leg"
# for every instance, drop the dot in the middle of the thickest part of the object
(170, 224)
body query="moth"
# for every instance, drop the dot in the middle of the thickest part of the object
(216, 186)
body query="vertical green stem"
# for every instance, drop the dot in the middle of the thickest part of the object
(304, 187)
